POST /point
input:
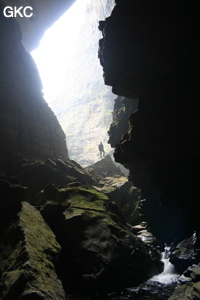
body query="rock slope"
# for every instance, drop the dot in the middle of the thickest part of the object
(71, 240)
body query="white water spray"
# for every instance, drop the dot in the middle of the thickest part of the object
(168, 275)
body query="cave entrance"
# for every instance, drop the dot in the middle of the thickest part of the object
(73, 86)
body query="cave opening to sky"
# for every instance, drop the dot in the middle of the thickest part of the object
(56, 48)
(72, 78)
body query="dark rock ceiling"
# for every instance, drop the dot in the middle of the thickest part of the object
(45, 13)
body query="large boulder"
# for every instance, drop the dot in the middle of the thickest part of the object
(104, 167)
(100, 254)
(185, 254)
(36, 175)
(125, 195)
(28, 250)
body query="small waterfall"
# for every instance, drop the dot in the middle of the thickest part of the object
(168, 275)
(158, 287)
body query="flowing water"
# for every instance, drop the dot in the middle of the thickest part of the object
(159, 287)
(168, 275)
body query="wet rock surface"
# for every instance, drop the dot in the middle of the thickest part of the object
(189, 286)
(185, 257)
(185, 254)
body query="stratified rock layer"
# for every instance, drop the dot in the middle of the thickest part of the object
(29, 128)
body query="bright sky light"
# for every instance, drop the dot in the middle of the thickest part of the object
(56, 47)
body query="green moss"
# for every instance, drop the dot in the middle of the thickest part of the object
(90, 206)
(87, 198)
(28, 265)
(10, 278)
(99, 195)
(178, 252)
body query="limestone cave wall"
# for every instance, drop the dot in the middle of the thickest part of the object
(150, 51)
(28, 127)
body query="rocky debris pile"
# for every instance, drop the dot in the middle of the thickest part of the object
(84, 244)
(123, 193)
(189, 284)
(72, 239)
(185, 257)
(95, 238)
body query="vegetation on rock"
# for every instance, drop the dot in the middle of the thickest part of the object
(27, 255)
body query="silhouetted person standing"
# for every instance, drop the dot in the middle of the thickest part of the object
(101, 150)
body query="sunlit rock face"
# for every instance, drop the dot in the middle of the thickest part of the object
(149, 51)
(29, 128)
(84, 104)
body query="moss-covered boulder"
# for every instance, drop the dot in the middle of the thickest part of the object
(28, 250)
(125, 195)
(100, 253)
(35, 175)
